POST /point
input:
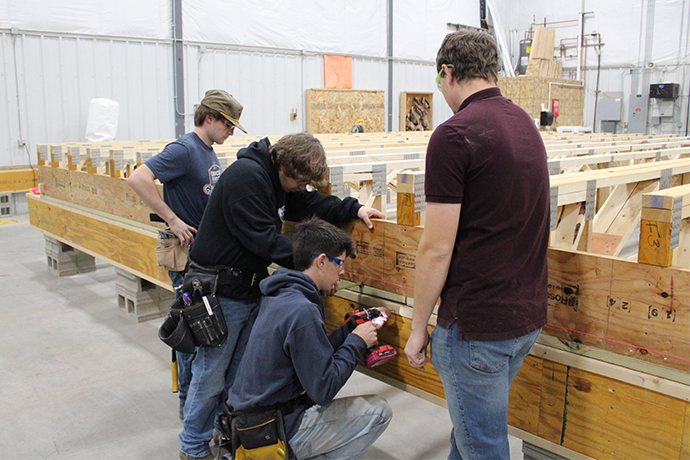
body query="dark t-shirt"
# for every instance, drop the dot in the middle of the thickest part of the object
(189, 170)
(490, 158)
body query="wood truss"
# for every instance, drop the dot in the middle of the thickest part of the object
(610, 375)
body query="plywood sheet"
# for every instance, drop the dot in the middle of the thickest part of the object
(609, 419)
(337, 110)
(650, 309)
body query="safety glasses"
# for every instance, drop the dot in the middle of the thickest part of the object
(440, 72)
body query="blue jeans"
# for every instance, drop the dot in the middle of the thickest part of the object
(342, 429)
(184, 360)
(476, 377)
(213, 371)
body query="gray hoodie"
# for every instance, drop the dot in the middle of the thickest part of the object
(289, 351)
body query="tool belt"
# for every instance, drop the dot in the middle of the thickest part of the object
(259, 433)
(196, 318)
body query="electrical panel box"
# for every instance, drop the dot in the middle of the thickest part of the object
(664, 90)
(663, 107)
(525, 48)
(610, 108)
(637, 117)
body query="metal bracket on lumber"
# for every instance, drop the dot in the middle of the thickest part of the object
(379, 182)
(590, 206)
(419, 197)
(675, 222)
(665, 178)
(554, 167)
(554, 209)
(337, 185)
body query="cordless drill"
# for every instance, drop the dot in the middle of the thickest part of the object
(378, 354)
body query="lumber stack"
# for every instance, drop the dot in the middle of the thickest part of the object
(616, 347)
(541, 62)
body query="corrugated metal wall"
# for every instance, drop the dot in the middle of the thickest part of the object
(45, 96)
(49, 80)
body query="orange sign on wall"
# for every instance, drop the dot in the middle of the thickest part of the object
(337, 71)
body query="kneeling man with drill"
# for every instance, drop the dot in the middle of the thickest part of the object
(293, 365)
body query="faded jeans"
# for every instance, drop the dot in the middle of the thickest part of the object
(476, 377)
(342, 429)
(213, 371)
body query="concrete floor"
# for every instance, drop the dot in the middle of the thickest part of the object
(78, 380)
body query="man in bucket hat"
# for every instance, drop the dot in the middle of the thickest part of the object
(189, 169)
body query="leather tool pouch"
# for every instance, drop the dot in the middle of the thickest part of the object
(203, 314)
(259, 435)
(170, 254)
(206, 321)
(174, 331)
(198, 277)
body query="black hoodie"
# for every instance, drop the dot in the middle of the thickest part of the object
(241, 227)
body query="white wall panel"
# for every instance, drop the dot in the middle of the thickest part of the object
(57, 76)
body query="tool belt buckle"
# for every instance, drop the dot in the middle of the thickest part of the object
(253, 282)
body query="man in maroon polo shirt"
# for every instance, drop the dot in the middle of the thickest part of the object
(484, 246)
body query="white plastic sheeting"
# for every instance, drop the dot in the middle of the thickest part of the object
(315, 25)
(420, 26)
(343, 26)
(128, 18)
(101, 124)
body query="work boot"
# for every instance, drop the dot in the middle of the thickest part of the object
(183, 456)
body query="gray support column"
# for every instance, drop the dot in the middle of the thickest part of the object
(178, 68)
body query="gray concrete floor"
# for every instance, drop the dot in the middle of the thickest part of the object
(78, 380)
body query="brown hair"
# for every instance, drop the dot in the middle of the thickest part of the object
(301, 157)
(472, 53)
(202, 111)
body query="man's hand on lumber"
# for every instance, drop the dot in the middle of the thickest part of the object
(365, 214)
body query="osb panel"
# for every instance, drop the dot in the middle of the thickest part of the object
(337, 110)
(395, 333)
(650, 308)
(530, 92)
(102, 193)
(579, 286)
(386, 256)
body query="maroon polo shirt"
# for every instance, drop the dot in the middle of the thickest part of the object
(491, 158)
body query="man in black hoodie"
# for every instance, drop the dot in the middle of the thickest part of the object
(241, 231)
(289, 353)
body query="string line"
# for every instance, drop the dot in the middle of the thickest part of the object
(548, 324)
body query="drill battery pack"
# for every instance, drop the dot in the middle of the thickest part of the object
(378, 355)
